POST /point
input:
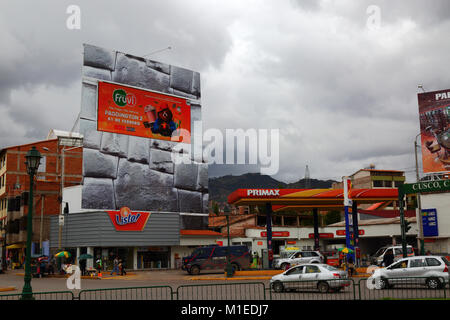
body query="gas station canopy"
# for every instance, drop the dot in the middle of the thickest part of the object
(306, 199)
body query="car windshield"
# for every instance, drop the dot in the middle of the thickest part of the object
(331, 268)
(379, 252)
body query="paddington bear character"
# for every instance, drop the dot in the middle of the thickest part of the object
(164, 124)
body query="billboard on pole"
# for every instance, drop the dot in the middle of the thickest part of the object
(434, 113)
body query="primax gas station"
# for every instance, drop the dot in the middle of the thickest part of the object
(315, 200)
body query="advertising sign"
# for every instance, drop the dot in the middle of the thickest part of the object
(276, 234)
(430, 223)
(128, 110)
(434, 113)
(127, 220)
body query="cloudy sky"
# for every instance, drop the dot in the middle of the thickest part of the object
(339, 79)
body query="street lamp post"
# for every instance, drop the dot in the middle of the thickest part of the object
(33, 159)
(419, 205)
(229, 267)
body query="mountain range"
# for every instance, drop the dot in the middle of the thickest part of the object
(221, 187)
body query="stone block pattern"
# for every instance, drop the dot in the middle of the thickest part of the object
(122, 170)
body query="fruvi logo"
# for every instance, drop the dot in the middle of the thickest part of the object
(122, 98)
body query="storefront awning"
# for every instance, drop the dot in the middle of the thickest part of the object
(15, 246)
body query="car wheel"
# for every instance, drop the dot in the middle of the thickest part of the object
(433, 283)
(384, 284)
(195, 270)
(235, 267)
(337, 289)
(285, 266)
(315, 261)
(278, 287)
(323, 287)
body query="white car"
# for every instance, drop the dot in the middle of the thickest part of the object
(299, 257)
(320, 276)
(432, 271)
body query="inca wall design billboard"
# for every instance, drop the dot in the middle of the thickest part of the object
(130, 164)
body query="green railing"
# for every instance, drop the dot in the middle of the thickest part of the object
(222, 291)
(129, 293)
(334, 289)
(51, 295)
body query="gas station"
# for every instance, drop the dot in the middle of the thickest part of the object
(315, 200)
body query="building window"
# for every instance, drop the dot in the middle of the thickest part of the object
(378, 184)
(398, 184)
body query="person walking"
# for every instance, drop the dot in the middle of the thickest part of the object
(122, 267)
(115, 266)
(83, 267)
(388, 258)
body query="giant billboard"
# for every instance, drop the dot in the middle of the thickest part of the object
(434, 113)
(131, 108)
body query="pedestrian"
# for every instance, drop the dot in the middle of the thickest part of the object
(51, 266)
(351, 267)
(428, 253)
(98, 265)
(115, 266)
(388, 258)
(122, 267)
(83, 267)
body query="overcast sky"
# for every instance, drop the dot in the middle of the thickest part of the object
(337, 78)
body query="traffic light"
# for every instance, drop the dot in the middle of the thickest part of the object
(407, 226)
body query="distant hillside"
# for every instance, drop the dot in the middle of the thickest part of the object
(221, 187)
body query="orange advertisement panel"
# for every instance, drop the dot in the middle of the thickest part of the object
(128, 110)
(434, 113)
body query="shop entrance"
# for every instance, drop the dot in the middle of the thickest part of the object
(153, 258)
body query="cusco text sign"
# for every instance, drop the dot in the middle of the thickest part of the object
(126, 220)
(427, 186)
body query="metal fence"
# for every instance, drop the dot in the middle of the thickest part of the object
(223, 291)
(130, 293)
(342, 289)
(52, 295)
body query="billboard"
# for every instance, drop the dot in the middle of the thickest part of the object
(434, 113)
(130, 109)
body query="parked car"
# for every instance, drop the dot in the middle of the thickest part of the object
(215, 258)
(397, 251)
(432, 271)
(319, 276)
(299, 257)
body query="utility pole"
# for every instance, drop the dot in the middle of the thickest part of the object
(419, 205)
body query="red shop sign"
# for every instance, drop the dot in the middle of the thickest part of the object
(342, 232)
(321, 235)
(276, 234)
(127, 220)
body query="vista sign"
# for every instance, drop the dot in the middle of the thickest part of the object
(427, 186)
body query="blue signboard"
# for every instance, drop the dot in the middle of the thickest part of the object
(430, 223)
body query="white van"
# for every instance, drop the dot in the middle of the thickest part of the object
(397, 251)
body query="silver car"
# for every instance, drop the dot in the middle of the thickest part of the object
(431, 271)
(323, 277)
(298, 257)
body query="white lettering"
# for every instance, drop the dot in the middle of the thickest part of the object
(74, 20)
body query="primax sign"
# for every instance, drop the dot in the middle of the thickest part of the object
(427, 186)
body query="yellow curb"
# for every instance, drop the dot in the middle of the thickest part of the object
(232, 278)
(7, 289)
(258, 273)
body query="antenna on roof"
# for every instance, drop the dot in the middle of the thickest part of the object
(307, 179)
(160, 50)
